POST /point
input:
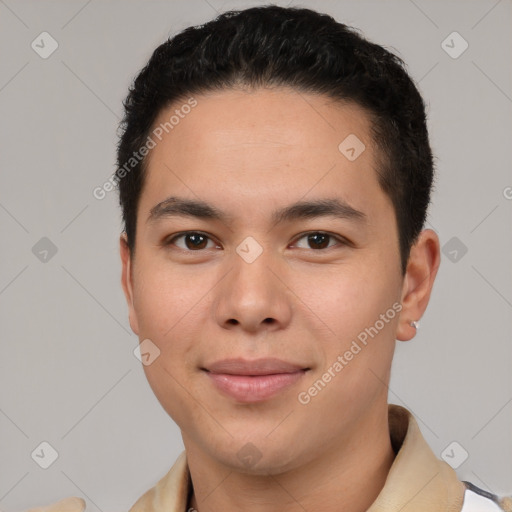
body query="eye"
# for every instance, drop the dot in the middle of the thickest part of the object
(191, 241)
(318, 240)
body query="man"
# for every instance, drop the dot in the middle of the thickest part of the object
(274, 171)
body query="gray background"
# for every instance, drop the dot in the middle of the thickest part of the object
(68, 375)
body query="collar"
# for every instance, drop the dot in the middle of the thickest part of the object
(417, 481)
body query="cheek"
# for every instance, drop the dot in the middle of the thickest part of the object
(171, 388)
(359, 312)
(348, 298)
(170, 308)
(358, 347)
(167, 299)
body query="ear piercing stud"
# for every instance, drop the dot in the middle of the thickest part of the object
(415, 324)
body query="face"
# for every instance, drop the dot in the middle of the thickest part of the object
(267, 274)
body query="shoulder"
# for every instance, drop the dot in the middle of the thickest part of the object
(478, 500)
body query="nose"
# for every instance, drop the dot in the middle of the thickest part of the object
(254, 297)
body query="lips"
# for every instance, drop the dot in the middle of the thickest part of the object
(253, 381)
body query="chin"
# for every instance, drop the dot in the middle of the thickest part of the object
(259, 457)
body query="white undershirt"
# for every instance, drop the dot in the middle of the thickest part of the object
(473, 502)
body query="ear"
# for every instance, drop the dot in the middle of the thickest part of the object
(422, 266)
(126, 281)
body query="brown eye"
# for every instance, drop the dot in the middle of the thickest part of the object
(191, 241)
(318, 240)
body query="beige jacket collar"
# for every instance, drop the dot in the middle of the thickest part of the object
(417, 481)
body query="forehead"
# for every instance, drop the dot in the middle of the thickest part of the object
(276, 144)
(279, 116)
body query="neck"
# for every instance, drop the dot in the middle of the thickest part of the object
(347, 474)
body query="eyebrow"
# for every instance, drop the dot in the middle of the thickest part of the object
(176, 206)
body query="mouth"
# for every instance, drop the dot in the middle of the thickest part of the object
(253, 381)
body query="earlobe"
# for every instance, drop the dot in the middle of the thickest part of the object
(126, 281)
(422, 266)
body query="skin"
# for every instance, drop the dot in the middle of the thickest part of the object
(248, 153)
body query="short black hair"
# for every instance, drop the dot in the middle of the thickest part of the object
(273, 46)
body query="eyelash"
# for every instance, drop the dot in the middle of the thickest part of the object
(341, 241)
